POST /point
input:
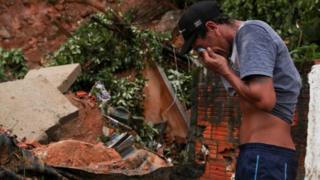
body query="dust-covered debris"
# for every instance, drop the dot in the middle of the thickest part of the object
(133, 147)
(73, 153)
(62, 159)
(33, 108)
(61, 77)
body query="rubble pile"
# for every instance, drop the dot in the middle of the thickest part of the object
(33, 107)
(42, 137)
(47, 119)
(53, 126)
(19, 163)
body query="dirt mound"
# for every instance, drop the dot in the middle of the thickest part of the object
(39, 27)
(98, 158)
(73, 153)
(87, 127)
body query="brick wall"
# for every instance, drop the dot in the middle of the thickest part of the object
(220, 115)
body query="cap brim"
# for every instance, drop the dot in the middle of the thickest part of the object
(187, 45)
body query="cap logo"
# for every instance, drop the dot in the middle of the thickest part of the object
(181, 31)
(197, 23)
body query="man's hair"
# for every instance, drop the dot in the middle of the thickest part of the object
(192, 23)
(222, 19)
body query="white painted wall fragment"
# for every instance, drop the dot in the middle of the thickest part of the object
(312, 161)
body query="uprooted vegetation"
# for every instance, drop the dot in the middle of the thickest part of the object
(108, 45)
(12, 65)
(113, 52)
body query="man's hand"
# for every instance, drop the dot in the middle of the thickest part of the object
(215, 62)
(257, 90)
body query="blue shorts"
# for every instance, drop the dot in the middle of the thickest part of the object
(259, 161)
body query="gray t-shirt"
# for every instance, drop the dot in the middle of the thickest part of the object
(261, 51)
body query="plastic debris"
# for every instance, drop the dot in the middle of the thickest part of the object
(99, 91)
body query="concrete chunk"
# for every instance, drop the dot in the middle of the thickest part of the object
(32, 108)
(61, 77)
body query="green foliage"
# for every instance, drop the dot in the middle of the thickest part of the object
(104, 138)
(310, 30)
(147, 134)
(129, 93)
(306, 53)
(288, 18)
(12, 65)
(97, 48)
(182, 84)
(297, 22)
(104, 47)
(177, 153)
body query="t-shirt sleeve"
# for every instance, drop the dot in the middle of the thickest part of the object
(256, 50)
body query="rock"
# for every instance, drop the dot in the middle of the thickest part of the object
(312, 161)
(169, 21)
(61, 77)
(4, 33)
(33, 108)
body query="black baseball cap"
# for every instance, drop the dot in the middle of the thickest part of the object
(194, 19)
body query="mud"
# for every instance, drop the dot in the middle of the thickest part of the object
(73, 153)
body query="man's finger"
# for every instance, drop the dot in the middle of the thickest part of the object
(211, 52)
(217, 52)
(205, 55)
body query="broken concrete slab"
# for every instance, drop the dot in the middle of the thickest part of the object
(61, 77)
(33, 108)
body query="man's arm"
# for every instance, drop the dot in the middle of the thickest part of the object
(255, 89)
(257, 54)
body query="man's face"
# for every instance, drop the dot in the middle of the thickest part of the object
(215, 40)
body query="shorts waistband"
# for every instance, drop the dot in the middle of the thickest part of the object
(268, 148)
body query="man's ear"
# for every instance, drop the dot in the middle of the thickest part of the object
(211, 26)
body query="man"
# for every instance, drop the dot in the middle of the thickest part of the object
(262, 75)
